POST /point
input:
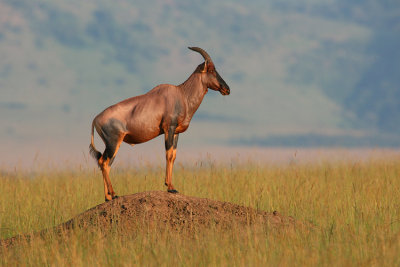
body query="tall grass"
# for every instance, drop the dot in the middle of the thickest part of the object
(355, 206)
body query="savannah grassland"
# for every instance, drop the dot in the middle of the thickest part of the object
(355, 207)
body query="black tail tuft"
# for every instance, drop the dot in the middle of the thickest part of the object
(95, 154)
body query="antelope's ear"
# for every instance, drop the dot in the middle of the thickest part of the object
(205, 67)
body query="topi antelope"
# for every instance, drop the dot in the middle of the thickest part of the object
(166, 109)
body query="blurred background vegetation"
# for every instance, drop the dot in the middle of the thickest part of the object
(302, 73)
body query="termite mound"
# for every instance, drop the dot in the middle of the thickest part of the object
(160, 210)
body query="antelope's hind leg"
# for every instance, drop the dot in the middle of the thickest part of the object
(105, 165)
(112, 138)
(171, 142)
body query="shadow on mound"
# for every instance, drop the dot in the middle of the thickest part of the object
(156, 209)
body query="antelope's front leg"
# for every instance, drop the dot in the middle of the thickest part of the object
(171, 142)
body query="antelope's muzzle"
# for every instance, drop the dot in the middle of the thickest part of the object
(225, 91)
(224, 88)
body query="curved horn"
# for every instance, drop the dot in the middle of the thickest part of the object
(206, 57)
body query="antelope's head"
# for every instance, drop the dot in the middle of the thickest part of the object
(210, 76)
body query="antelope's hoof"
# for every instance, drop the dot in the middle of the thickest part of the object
(173, 191)
(114, 197)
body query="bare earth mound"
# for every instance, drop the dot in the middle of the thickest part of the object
(161, 209)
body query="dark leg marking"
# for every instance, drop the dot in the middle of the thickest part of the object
(175, 143)
(172, 138)
(111, 134)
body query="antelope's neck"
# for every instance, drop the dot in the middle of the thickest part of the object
(194, 92)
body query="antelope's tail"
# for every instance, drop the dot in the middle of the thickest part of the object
(93, 151)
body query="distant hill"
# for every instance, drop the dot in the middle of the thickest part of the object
(295, 67)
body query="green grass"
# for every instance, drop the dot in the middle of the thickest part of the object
(355, 206)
